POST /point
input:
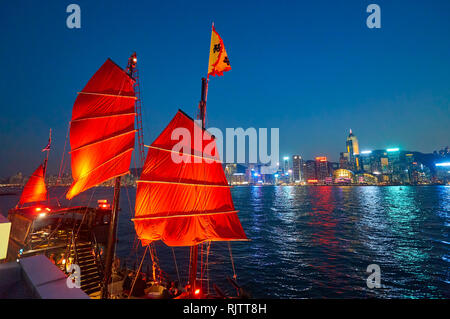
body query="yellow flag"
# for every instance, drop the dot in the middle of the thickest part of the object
(218, 58)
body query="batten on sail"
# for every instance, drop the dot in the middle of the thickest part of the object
(35, 189)
(188, 202)
(102, 128)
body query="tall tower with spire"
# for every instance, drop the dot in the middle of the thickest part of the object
(353, 150)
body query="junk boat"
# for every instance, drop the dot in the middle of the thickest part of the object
(184, 202)
(65, 235)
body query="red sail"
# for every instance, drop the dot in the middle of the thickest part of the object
(185, 203)
(34, 190)
(102, 128)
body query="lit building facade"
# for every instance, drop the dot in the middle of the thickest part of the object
(343, 176)
(297, 167)
(309, 170)
(322, 169)
(353, 151)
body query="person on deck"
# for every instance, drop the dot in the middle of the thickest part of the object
(139, 287)
(126, 286)
(173, 290)
(62, 262)
(68, 263)
(116, 267)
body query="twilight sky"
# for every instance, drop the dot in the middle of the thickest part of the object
(311, 68)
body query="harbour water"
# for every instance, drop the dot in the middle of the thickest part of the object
(313, 242)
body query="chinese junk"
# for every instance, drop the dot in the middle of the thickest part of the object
(183, 197)
(102, 137)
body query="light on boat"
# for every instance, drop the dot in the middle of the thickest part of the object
(103, 203)
(134, 60)
(38, 209)
(48, 209)
(42, 214)
(197, 291)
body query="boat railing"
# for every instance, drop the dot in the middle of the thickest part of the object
(79, 227)
(98, 259)
(74, 243)
(48, 239)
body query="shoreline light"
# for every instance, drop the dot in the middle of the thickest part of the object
(366, 152)
(444, 164)
(395, 149)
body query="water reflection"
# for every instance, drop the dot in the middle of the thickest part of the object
(316, 242)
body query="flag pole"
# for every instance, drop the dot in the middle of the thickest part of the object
(46, 158)
(194, 248)
(207, 74)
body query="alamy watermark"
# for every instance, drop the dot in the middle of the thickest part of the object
(73, 20)
(374, 279)
(74, 278)
(374, 19)
(211, 143)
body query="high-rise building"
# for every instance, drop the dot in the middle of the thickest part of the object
(344, 161)
(353, 151)
(286, 164)
(322, 169)
(297, 166)
(233, 169)
(309, 170)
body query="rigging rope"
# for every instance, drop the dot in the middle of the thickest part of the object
(176, 266)
(61, 171)
(201, 266)
(232, 261)
(137, 273)
(207, 265)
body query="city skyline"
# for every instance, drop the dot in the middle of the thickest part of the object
(333, 158)
(390, 166)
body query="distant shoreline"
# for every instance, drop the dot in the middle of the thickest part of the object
(9, 186)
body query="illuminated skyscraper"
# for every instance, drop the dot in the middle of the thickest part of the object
(344, 161)
(353, 151)
(286, 164)
(322, 169)
(297, 165)
(310, 170)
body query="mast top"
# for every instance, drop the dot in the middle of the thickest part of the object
(132, 62)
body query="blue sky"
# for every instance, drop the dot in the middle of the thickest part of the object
(311, 68)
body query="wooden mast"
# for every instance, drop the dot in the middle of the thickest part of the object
(202, 117)
(194, 249)
(112, 231)
(112, 238)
